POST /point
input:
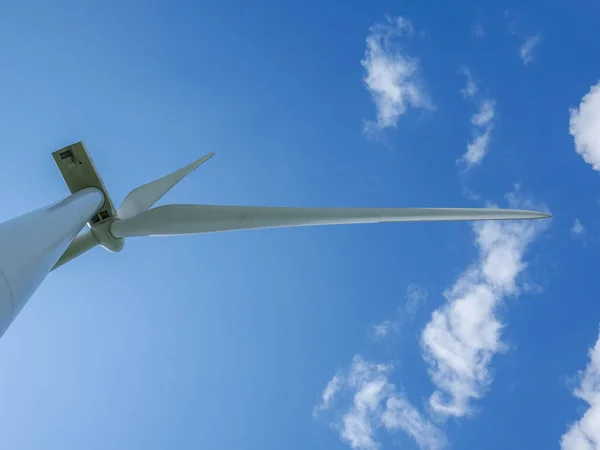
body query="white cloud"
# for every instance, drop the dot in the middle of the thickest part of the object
(578, 229)
(376, 405)
(526, 50)
(585, 433)
(584, 126)
(463, 335)
(391, 75)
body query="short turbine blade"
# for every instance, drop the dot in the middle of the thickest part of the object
(143, 197)
(81, 244)
(193, 219)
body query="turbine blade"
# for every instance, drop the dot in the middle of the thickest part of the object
(81, 244)
(193, 219)
(143, 197)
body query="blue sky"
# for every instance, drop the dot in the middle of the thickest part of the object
(369, 336)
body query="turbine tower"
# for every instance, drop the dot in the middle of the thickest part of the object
(34, 244)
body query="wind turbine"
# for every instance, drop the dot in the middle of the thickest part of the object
(34, 244)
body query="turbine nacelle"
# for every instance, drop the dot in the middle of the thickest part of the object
(79, 171)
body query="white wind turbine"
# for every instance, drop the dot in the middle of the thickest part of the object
(34, 244)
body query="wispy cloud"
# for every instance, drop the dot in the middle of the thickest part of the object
(330, 391)
(477, 148)
(578, 229)
(511, 21)
(400, 414)
(485, 114)
(415, 297)
(384, 328)
(482, 122)
(479, 30)
(584, 126)
(585, 433)
(375, 405)
(471, 87)
(370, 386)
(526, 50)
(391, 76)
(463, 336)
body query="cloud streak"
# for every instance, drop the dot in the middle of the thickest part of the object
(482, 122)
(330, 391)
(415, 297)
(391, 76)
(478, 31)
(463, 335)
(578, 229)
(526, 50)
(471, 88)
(585, 433)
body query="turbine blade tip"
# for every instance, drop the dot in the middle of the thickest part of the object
(540, 215)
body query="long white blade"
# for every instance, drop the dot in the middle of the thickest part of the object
(193, 219)
(143, 197)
